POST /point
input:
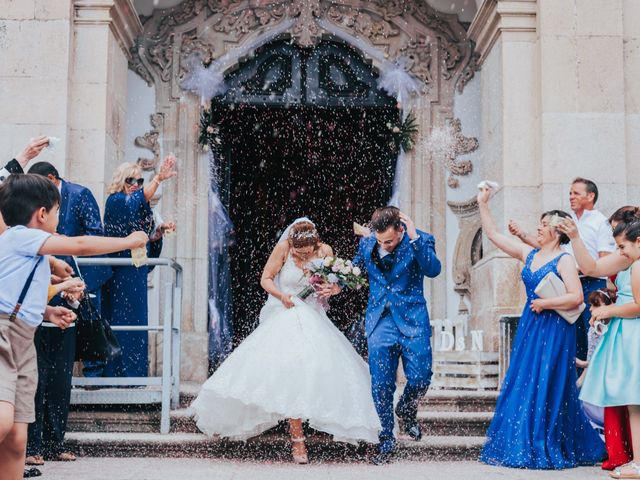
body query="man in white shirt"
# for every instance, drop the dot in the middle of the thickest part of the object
(595, 232)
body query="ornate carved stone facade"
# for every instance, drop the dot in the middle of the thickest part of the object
(430, 45)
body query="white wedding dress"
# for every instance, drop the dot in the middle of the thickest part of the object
(296, 364)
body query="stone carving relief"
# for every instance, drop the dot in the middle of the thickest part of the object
(461, 146)
(150, 141)
(161, 56)
(466, 252)
(193, 44)
(306, 31)
(364, 24)
(138, 66)
(418, 60)
(468, 72)
(434, 43)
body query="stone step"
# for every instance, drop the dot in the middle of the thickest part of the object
(148, 421)
(459, 401)
(264, 447)
(466, 424)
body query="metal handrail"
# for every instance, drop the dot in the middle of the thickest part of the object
(170, 379)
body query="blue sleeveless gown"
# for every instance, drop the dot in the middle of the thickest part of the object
(538, 422)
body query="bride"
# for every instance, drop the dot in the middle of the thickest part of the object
(296, 365)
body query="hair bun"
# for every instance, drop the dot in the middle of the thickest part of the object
(631, 215)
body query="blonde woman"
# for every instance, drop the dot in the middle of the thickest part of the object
(125, 296)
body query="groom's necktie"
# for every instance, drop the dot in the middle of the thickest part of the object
(385, 263)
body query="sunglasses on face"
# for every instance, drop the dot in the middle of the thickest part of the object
(131, 181)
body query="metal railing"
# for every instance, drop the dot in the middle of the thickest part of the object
(169, 382)
(508, 329)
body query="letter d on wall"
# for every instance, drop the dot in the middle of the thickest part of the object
(447, 341)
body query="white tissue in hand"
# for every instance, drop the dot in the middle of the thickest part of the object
(53, 141)
(139, 256)
(555, 220)
(488, 184)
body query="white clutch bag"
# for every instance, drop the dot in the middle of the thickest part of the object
(552, 286)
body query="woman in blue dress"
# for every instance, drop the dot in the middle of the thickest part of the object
(125, 295)
(538, 422)
(613, 376)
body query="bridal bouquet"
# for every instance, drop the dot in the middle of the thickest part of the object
(333, 270)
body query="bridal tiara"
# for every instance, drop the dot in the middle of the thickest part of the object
(304, 235)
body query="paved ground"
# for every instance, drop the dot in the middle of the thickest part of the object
(196, 469)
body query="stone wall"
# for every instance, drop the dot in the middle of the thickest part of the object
(36, 43)
(103, 33)
(64, 74)
(631, 68)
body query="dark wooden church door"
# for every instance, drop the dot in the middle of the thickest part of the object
(304, 133)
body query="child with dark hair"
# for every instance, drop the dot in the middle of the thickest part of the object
(29, 205)
(596, 299)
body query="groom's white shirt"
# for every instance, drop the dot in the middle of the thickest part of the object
(383, 253)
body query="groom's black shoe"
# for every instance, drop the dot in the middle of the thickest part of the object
(413, 430)
(408, 423)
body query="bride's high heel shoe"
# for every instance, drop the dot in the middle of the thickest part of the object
(299, 458)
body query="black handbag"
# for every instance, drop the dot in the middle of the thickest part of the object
(95, 341)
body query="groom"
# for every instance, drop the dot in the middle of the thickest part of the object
(397, 321)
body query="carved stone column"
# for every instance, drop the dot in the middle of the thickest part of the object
(468, 250)
(104, 31)
(505, 36)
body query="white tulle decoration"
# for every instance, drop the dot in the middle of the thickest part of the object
(206, 82)
(395, 80)
(209, 82)
(398, 179)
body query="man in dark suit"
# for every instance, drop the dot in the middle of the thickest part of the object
(79, 215)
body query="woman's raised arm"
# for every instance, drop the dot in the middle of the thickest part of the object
(510, 246)
(601, 267)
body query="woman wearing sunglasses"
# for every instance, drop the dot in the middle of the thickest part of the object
(125, 296)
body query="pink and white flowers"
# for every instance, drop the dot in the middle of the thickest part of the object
(333, 270)
(337, 270)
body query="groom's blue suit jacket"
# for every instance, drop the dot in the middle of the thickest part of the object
(401, 289)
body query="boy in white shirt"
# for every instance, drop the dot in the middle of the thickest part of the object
(29, 205)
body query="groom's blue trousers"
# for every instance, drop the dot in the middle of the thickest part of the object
(386, 346)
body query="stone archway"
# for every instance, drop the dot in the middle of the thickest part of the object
(301, 132)
(432, 46)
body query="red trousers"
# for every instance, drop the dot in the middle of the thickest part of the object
(617, 437)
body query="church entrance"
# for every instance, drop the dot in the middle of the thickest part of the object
(304, 132)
